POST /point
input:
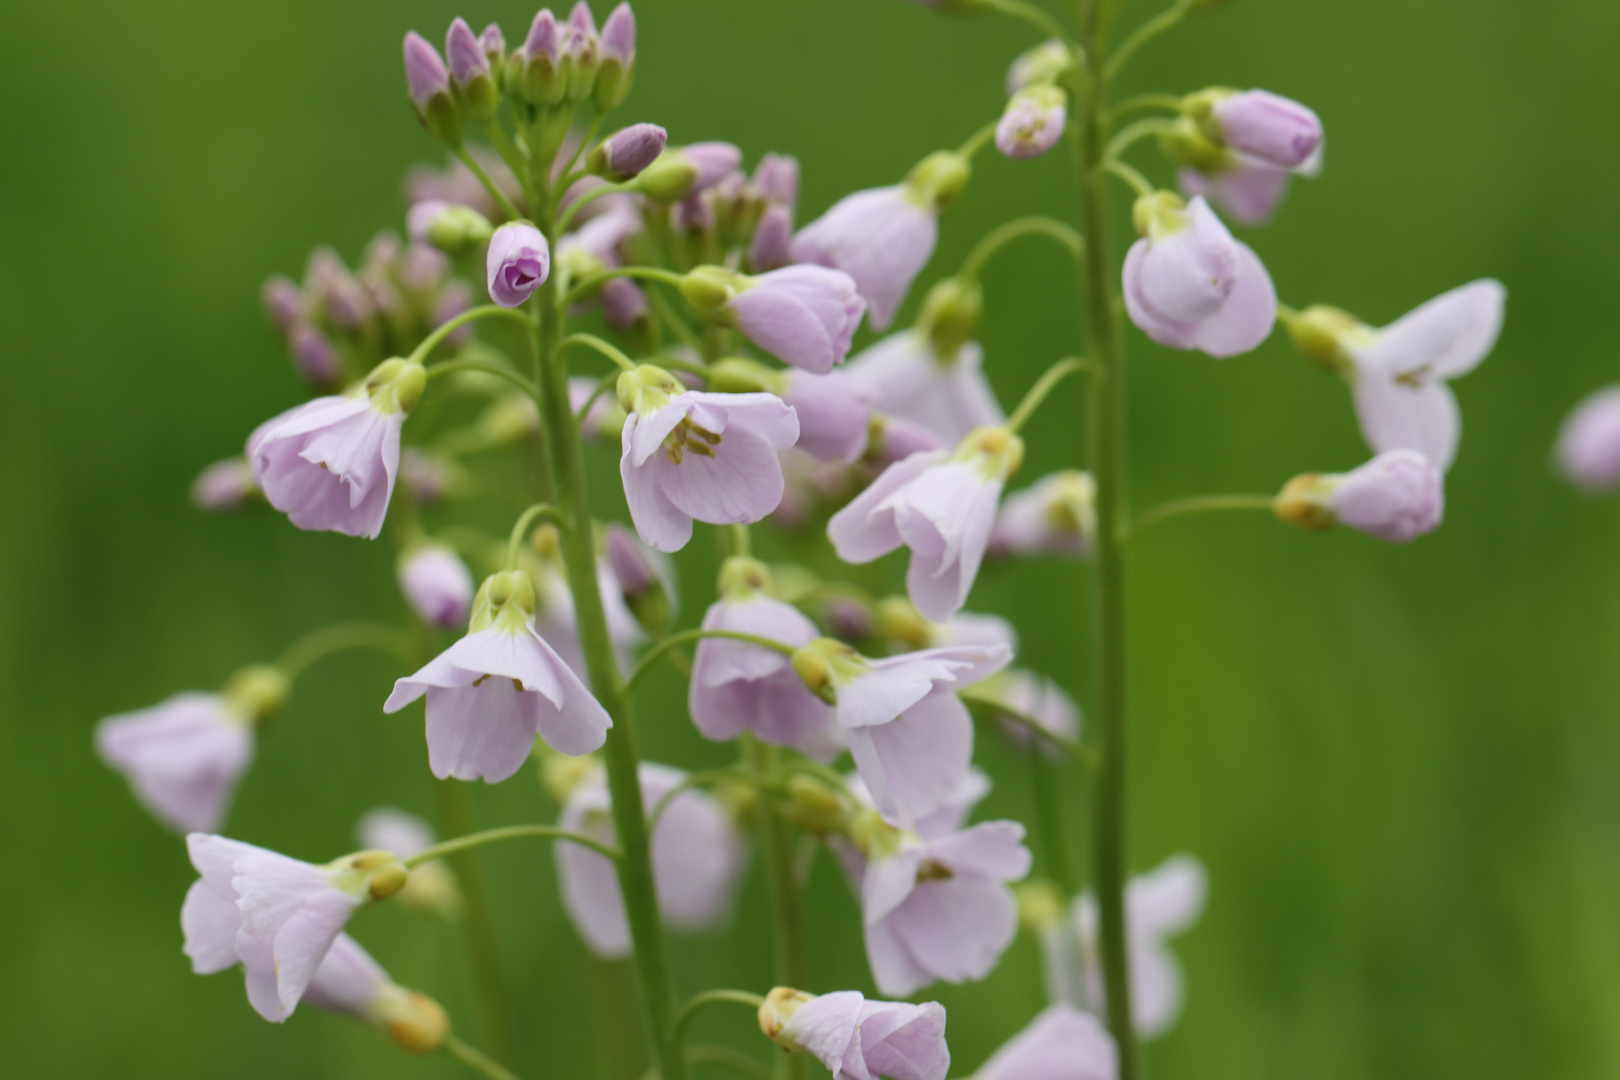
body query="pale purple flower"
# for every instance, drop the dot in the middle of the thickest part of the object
(882, 238)
(183, 757)
(950, 398)
(493, 43)
(468, 61)
(628, 151)
(697, 856)
(437, 584)
(519, 263)
(283, 302)
(1057, 515)
(348, 981)
(1397, 496)
(691, 455)
(714, 161)
(859, 1039)
(776, 178)
(835, 413)
(771, 245)
(1033, 123)
(555, 621)
(1588, 449)
(330, 463)
(940, 505)
(1190, 285)
(1271, 129)
(1062, 1043)
(894, 439)
(224, 485)
(1158, 904)
(1248, 192)
(805, 316)
(425, 74)
(315, 356)
(491, 693)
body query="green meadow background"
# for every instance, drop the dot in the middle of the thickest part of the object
(1401, 765)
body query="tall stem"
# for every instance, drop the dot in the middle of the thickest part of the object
(636, 881)
(1105, 346)
(787, 908)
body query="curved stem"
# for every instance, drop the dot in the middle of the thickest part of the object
(978, 140)
(509, 832)
(508, 150)
(584, 200)
(669, 317)
(651, 656)
(495, 193)
(787, 905)
(999, 237)
(1145, 128)
(521, 527)
(340, 638)
(735, 1060)
(1076, 751)
(1144, 34)
(447, 367)
(692, 781)
(607, 384)
(477, 1061)
(1137, 181)
(650, 273)
(1036, 17)
(580, 150)
(696, 1004)
(1198, 504)
(1143, 102)
(607, 349)
(449, 326)
(1044, 386)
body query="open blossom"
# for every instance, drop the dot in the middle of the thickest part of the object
(1397, 496)
(697, 856)
(1057, 515)
(432, 886)
(277, 916)
(1190, 285)
(330, 463)
(835, 413)
(183, 757)
(859, 1039)
(1035, 119)
(1062, 1043)
(437, 584)
(491, 693)
(1158, 904)
(1588, 449)
(519, 262)
(737, 687)
(940, 505)
(805, 316)
(948, 397)
(882, 238)
(692, 455)
(1266, 127)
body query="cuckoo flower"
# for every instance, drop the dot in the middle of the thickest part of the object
(224, 485)
(1157, 905)
(350, 982)
(278, 916)
(519, 263)
(627, 151)
(437, 585)
(492, 692)
(737, 687)
(469, 66)
(948, 397)
(618, 50)
(1057, 515)
(834, 410)
(1190, 285)
(1248, 192)
(883, 237)
(859, 1039)
(1062, 1043)
(1397, 496)
(1588, 449)
(940, 505)
(697, 857)
(1260, 125)
(1033, 123)
(432, 886)
(690, 455)
(645, 579)
(425, 74)
(330, 463)
(806, 316)
(1398, 374)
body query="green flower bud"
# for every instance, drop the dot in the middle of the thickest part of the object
(669, 179)
(736, 375)
(950, 316)
(1318, 333)
(939, 179)
(257, 692)
(709, 289)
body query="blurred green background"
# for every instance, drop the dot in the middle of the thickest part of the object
(1400, 765)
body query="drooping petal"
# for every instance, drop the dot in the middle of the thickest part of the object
(1420, 416)
(1447, 336)
(916, 762)
(1062, 1043)
(865, 529)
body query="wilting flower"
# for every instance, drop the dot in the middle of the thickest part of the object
(1033, 123)
(224, 485)
(1158, 905)
(737, 687)
(519, 263)
(432, 885)
(350, 982)
(277, 915)
(948, 397)
(940, 505)
(692, 455)
(805, 316)
(1397, 496)
(1263, 126)
(1190, 285)
(1398, 374)
(330, 463)
(492, 692)
(697, 856)
(1589, 445)
(437, 584)
(1062, 1043)
(1057, 515)
(859, 1039)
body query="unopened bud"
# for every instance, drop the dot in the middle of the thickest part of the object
(618, 59)
(450, 227)
(627, 152)
(939, 179)
(416, 1022)
(771, 245)
(736, 375)
(740, 576)
(900, 621)
(815, 806)
(469, 66)
(283, 302)
(669, 179)
(709, 290)
(1304, 502)
(429, 84)
(532, 73)
(314, 355)
(1318, 333)
(950, 316)
(1047, 63)
(1040, 905)
(224, 485)
(256, 692)
(779, 1006)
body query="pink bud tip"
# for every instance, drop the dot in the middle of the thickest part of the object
(425, 74)
(619, 35)
(467, 59)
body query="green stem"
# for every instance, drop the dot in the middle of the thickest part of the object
(697, 1002)
(1142, 35)
(1131, 134)
(787, 905)
(1199, 504)
(344, 636)
(1051, 836)
(506, 205)
(1036, 17)
(990, 708)
(1139, 183)
(509, 832)
(670, 318)
(447, 367)
(674, 641)
(477, 1061)
(650, 273)
(1105, 345)
(978, 140)
(1143, 102)
(508, 150)
(612, 352)
(583, 147)
(609, 381)
(585, 200)
(449, 326)
(735, 540)
(521, 527)
(999, 237)
(1044, 386)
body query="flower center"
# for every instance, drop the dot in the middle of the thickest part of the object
(933, 871)
(689, 438)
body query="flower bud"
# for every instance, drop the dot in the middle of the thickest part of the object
(519, 262)
(709, 290)
(224, 485)
(429, 85)
(415, 1021)
(624, 304)
(256, 692)
(739, 375)
(450, 227)
(776, 178)
(1033, 122)
(950, 316)
(1588, 450)
(618, 64)
(437, 585)
(1259, 124)
(532, 72)
(771, 246)
(1040, 905)
(780, 1004)
(669, 179)
(939, 179)
(1049, 62)
(283, 302)
(627, 152)
(1397, 496)
(469, 66)
(493, 42)
(641, 579)
(1318, 333)
(581, 55)
(898, 620)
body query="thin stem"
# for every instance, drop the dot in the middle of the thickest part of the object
(521, 527)
(1145, 33)
(449, 326)
(651, 656)
(650, 273)
(668, 316)
(495, 193)
(735, 1060)
(446, 367)
(697, 1002)
(1137, 181)
(1036, 17)
(509, 832)
(1145, 128)
(584, 146)
(1199, 504)
(508, 150)
(787, 905)
(692, 781)
(988, 707)
(340, 638)
(1044, 386)
(1143, 102)
(607, 349)
(584, 200)
(736, 541)
(477, 1061)
(999, 237)
(978, 140)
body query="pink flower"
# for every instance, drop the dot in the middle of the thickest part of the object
(771, 246)
(1589, 444)
(437, 584)
(1268, 128)
(1190, 285)
(1397, 496)
(425, 74)
(627, 151)
(806, 316)
(492, 692)
(1034, 121)
(834, 413)
(519, 263)
(865, 1040)
(1057, 515)
(882, 238)
(690, 455)
(183, 757)
(1062, 1043)
(697, 858)
(224, 485)
(950, 398)
(1248, 192)
(737, 687)
(941, 506)
(330, 463)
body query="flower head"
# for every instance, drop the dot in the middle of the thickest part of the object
(949, 398)
(437, 584)
(1033, 123)
(1062, 1043)
(806, 316)
(859, 1039)
(1057, 515)
(1397, 496)
(881, 238)
(519, 263)
(1588, 449)
(1263, 126)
